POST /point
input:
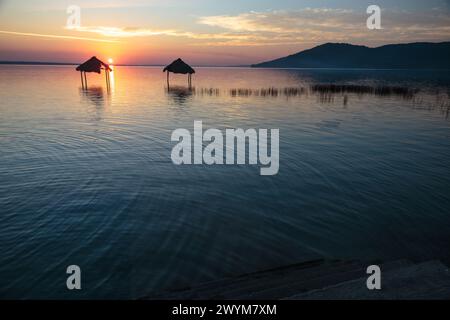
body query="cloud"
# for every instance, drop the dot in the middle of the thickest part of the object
(118, 32)
(280, 21)
(325, 24)
(309, 25)
(131, 32)
(53, 36)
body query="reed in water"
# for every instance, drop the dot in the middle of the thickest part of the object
(327, 93)
(322, 89)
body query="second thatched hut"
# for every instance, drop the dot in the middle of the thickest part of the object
(181, 67)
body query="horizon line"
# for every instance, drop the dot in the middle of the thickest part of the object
(25, 62)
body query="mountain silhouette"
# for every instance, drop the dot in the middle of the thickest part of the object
(419, 55)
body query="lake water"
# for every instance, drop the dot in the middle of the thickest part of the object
(86, 177)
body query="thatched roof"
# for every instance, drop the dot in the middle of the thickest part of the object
(93, 65)
(179, 66)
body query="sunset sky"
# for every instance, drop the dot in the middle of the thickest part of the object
(206, 32)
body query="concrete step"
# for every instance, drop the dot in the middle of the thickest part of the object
(278, 283)
(331, 277)
(253, 283)
(194, 292)
(428, 280)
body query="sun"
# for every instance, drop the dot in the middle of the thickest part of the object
(110, 60)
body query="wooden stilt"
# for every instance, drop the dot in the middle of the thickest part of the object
(82, 82)
(167, 79)
(107, 78)
(85, 80)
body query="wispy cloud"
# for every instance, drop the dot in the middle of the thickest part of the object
(118, 32)
(282, 27)
(53, 36)
(131, 32)
(279, 21)
(325, 24)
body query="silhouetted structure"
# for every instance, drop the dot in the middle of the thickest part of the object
(179, 66)
(93, 65)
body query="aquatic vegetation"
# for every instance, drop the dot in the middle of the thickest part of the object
(327, 93)
(323, 89)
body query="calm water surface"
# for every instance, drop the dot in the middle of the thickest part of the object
(86, 177)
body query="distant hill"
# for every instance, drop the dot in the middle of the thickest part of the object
(420, 55)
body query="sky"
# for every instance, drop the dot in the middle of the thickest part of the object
(206, 32)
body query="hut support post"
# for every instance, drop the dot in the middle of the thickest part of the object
(167, 78)
(85, 80)
(107, 79)
(82, 81)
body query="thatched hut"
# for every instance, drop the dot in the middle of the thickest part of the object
(179, 66)
(93, 65)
